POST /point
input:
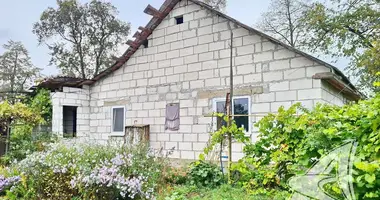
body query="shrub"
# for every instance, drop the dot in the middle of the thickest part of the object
(91, 171)
(204, 174)
(292, 140)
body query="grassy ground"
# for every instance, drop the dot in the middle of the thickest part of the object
(224, 192)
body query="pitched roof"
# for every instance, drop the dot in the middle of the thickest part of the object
(165, 10)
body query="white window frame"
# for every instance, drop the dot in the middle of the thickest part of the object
(215, 100)
(118, 133)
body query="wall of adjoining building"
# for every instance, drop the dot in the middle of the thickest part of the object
(76, 97)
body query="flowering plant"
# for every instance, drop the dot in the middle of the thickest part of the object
(92, 171)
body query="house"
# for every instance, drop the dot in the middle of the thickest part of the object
(182, 58)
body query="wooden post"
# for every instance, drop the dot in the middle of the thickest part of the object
(230, 110)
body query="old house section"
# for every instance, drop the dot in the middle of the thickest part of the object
(185, 60)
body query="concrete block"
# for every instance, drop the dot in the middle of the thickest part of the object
(216, 46)
(176, 62)
(206, 74)
(284, 53)
(176, 45)
(300, 62)
(189, 34)
(201, 48)
(286, 95)
(190, 59)
(180, 69)
(186, 103)
(209, 65)
(244, 50)
(276, 105)
(154, 113)
(279, 64)
(279, 86)
(253, 78)
(185, 146)
(263, 56)
(213, 82)
(301, 84)
(205, 21)
(191, 76)
(272, 76)
(309, 94)
(260, 108)
(205, 30)
(142, 82)
(246, 69)
(187, 51)
(197, 84)
(242, 60)
(190, 42)
(205, 56)
(188, 155)
(294, 73)
(172, 54)
(251, 39)
(220, 27)
(199, 146)
(265, 97)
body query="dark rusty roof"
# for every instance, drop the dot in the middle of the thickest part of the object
(59, 82)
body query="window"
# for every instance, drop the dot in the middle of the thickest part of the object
(179, 20)
(241, 108)
(118, 119)
(145, 44)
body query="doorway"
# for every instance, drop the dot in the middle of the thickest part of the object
(69, 121)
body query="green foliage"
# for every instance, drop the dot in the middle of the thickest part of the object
(219, 136)
(349, 29)
(16, 71)
(204, 174)
(41, 103)
(23, 142)
(19, 113)
(82, 38)
(291, 140)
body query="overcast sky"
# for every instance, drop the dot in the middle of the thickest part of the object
(17, 18)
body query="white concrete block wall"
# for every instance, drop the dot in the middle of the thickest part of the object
(72, 97)
(182, 62)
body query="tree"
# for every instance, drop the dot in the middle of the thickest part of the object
(82, 38)
(16, 70)
(283, 21)
(348, 28)
(217, 4)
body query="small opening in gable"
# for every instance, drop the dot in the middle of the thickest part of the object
(179, 19)
(145, 43)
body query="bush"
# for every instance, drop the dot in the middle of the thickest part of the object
(292, 140)
(90, 171)
(23, 142)
(204, 174)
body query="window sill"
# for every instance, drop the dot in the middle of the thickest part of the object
(117, 134)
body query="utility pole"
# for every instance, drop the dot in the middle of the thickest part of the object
(230, 109)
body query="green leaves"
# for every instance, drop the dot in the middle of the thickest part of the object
(347, 29)
(82, 38)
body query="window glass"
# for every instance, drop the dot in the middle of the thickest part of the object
(118, 119)
(241, 108)
(220, 108)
